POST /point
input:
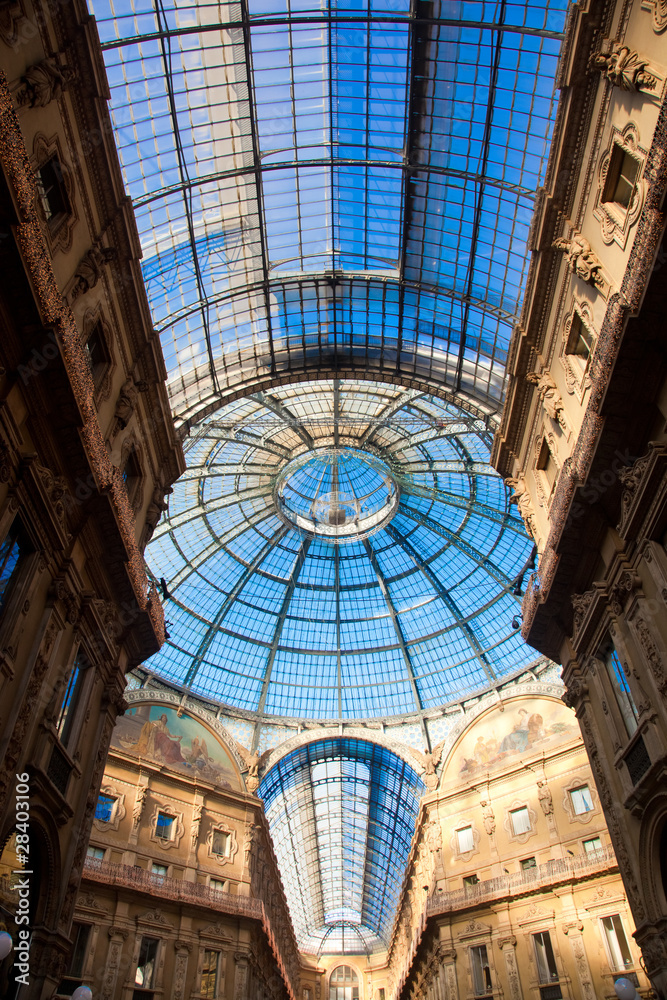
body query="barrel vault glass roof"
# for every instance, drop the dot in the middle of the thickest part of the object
(332, 185)
(351, 806)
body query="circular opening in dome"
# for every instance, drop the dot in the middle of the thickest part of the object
(337, 493)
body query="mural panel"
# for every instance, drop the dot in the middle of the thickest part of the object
(158, 734)
(498, 737)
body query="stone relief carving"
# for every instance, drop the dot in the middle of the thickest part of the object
(550, 398)
(488, 817)
(625, 68)
(428, 763)
(142, 792)
(581, 260)
(521, 497)
(42, 83)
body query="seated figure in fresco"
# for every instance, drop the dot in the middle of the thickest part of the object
(198, 753)
(518, 738)
(155, 740)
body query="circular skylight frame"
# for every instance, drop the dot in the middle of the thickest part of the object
(257, 621)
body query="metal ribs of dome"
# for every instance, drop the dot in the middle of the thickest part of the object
(275, 620)
(338, 188)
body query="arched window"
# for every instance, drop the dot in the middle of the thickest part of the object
(344, 984)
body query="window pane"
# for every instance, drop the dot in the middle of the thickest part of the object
(622, 692)
(105, 808)
(164, 826)
(11, 550)
(481, 973)
(581, 800)
(617, 943)
(520, 820)
(96, 852)
(69, 703)
(466, 841)
(146, 965)
(209, 976)
(544, 956)
(79, 950)
(592, 845)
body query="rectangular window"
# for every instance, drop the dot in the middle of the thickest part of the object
(580, 340)
(622, 692)
(465, 840)
(470, 880)
(544, 957)
(621, 178)
(219, 885)
(52, 192)
(618, 948)
(209, 976)
(220, 843)
(81, 934)
(581, 800)
(547, 465)
(69, 703)
(97, 355)
(165, 826)
(592, 845)
(13, 550)
(520, 819)
(157, 869)
(481, 972)
(145, 973)
(105, 809)
(527, 864)
(96, 852)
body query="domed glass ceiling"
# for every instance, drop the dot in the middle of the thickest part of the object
(338, 550)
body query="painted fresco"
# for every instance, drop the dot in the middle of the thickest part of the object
(525, 727)
(157, 733)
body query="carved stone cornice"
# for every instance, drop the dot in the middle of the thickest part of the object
(641, 483)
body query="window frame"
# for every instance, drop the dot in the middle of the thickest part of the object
(515, 812)
(173, 826)
(547, 970)
(54, 215)
(480, 971)
(585, 790)
(465, 829)
(623, 966)
(155, 959)
(216, 979)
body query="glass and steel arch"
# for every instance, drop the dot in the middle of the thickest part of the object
(332, 186)
(340, 550)
(351, 806)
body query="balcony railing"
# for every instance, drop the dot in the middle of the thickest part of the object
(179, 890)
(524, 882)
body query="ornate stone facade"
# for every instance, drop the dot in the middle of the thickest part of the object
(598, 601)
(76, 610)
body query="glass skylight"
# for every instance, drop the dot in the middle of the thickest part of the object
(340, 550)
(345, 184)
(351, 805)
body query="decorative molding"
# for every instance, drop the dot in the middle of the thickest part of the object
(616, 222)
(520, 838)
(658, 11)
(232, 842)
(118, 810)
(577, 376)
(179, 828)
(585, 817)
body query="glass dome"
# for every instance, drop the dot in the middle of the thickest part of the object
(340, 549)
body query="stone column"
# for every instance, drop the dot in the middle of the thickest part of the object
(183, 949)
(116, 937)
(508, 947)
(574, 934)
(240, 975)
(448, 959)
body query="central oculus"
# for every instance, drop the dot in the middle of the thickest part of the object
(337, 493)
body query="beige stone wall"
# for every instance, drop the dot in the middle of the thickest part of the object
(497, 888)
